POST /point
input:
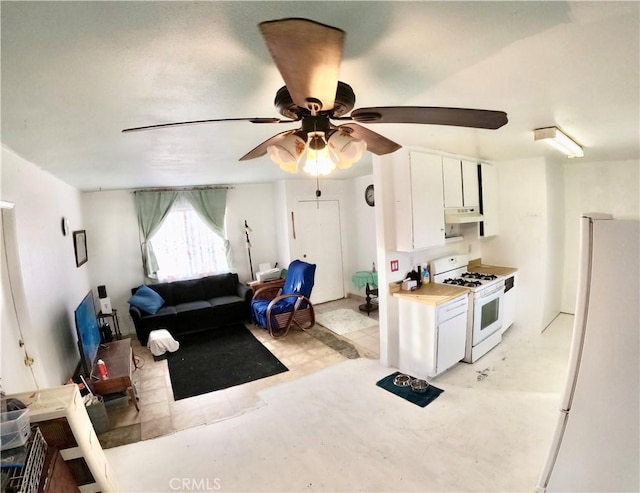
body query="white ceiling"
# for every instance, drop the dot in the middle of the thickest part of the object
(74, 74)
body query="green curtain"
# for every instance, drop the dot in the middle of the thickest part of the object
(211, 206)
(152, 208)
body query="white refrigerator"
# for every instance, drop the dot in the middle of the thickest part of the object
(596, 443)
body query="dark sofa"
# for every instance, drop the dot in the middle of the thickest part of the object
(194, 305)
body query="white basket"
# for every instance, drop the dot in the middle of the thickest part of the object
(14, 428)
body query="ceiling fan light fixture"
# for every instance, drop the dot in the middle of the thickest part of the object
(559, 140)
(345, 149)
(319, 162)
(287, 152)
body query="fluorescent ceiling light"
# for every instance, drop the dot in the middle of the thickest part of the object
(554, 137)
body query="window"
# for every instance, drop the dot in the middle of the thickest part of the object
(185, 247)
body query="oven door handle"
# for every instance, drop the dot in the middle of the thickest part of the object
(498, 288)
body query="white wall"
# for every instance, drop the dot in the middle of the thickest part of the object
(360, 219)
(611, 187)
(53, 285)
(555, 243)
(113, 248)
(522, 242)
(255, 203)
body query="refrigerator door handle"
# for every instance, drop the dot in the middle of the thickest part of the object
(543, 482)
(581, 311)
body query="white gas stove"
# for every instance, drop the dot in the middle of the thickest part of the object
(484, 319)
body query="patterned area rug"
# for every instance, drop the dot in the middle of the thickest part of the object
(344, 320)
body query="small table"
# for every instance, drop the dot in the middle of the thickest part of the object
(114, 317)
(118, 358)
(275, 284)
(362, 279)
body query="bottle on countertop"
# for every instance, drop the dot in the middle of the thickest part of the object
(425, 274)
(419, 276)
(373, 267)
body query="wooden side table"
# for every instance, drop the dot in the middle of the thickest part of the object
(118, 358)
(273, 286)
(114, 317)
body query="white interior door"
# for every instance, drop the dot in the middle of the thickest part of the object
(319, 241)
(15, 376)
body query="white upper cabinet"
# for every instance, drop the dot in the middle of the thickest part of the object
(419, 200)
(460, 179)
(452, 177)
(489, 209)
(470, 191)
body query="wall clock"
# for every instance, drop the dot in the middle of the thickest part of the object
(369, 196)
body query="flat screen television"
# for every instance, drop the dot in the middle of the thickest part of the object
(88, 332)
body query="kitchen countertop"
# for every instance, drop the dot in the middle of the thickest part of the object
(478, 266)
(430, 294)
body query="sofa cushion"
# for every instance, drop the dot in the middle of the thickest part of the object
(220, 285)
(165, 317)
(187, 291)
(194, 315)
(147, 300)
(164, 289)
(227, 304)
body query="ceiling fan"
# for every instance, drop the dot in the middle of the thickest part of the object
(308, 55)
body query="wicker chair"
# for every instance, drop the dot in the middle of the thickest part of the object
(277, 310)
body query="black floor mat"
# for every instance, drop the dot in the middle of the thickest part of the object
(217, 359)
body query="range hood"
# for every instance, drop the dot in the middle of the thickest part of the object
(457, 216)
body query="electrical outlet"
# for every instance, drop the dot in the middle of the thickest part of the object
(470, 247)
(394, 266)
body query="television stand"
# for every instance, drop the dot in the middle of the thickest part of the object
(118, 358)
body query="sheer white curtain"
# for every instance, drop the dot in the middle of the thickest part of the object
(185, 247)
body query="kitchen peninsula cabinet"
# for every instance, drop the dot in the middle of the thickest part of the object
(432, 330)
(418, 200)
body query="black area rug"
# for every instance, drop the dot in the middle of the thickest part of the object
(217, 359)
(421, 400)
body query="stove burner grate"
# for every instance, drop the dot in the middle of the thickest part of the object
(478, 275)
(463, 282)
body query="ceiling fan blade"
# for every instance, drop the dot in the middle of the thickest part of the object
(261, 150)
(195, 122)
(459, 117)
(376, 143)
(308, 55)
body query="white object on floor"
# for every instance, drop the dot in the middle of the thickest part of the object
(344, 320)
(160, 341)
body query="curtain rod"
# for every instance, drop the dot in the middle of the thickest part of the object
(180, 189)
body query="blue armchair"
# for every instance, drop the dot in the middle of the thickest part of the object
(290, 305)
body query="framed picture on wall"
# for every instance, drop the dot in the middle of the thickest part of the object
(80, 246)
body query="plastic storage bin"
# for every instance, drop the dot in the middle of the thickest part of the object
(14, 428)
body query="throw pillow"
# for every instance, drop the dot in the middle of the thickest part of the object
(147, 300)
